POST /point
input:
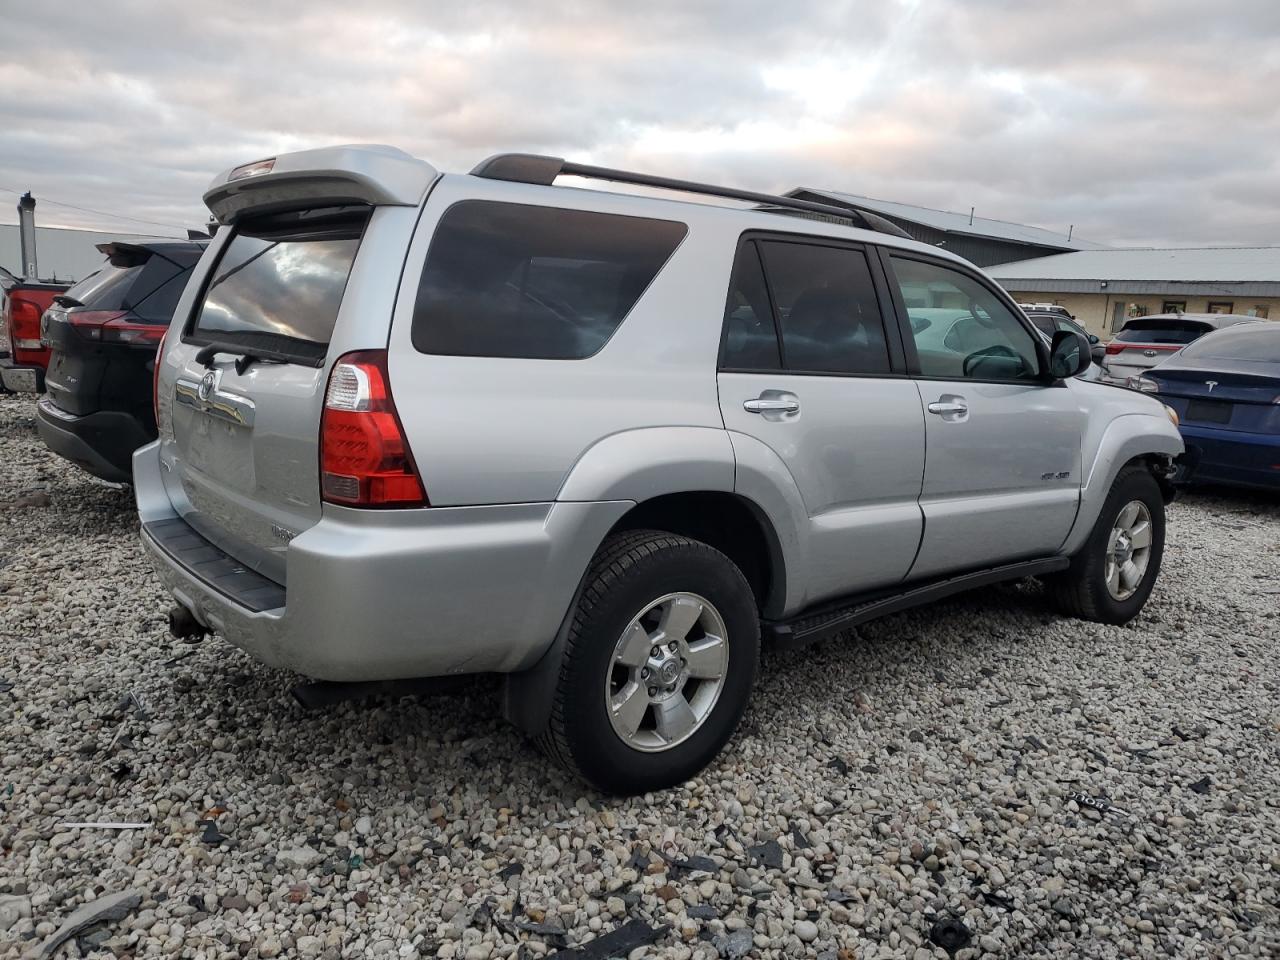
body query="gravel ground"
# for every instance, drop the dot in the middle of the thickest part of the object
(920, 772)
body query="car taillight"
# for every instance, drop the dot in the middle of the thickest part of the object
(109, 326)
(364, 456)
(155, 378)
(24, 324)
(1113, 348)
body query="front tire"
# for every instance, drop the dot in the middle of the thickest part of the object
(658, 665)
(1112, 575)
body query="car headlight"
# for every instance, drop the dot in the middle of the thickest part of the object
(1142, 383)
(1172, 413)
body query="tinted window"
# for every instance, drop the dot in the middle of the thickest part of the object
(511, 280)
(279, 282)
(972, 334)
(1161, 331)
(107, 287)
(750, 338)
(1043, 323)
(827, 308)
(160, 303)
(1246, 342)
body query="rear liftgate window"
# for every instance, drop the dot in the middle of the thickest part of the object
(512, 280)
(278, 285)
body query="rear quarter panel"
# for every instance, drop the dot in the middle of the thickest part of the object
(510, 430)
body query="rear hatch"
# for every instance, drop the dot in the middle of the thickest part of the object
(103, 332)
(241, 432)
(1143, 344)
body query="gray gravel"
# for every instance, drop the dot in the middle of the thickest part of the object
(917, 774)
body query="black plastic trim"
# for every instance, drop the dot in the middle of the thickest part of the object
(212, 567)
(826, 620)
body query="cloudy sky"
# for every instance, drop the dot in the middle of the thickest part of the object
(1146, 122)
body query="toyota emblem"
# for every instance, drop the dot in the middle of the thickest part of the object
(207, 383)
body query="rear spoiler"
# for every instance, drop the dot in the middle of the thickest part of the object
(329, 176)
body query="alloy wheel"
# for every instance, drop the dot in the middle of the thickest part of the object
(667, 672)
(1128, 550)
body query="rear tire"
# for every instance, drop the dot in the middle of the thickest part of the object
(1112, 575)
(658, 664)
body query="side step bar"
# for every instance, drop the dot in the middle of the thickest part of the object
(823, 622)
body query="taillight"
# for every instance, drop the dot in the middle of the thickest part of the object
(364, 457)
(155, 378)
(24, 324)
(109, 326)
(1113, 348)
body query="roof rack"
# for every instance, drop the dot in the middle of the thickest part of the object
(533, 168)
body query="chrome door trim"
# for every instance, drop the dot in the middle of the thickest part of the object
(207, 397)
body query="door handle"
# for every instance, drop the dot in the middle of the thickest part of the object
(950, 408)
(771, 405)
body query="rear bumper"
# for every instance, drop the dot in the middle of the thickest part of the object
(21, 377)
(101, 443)
(1231, 457)
(391, 594)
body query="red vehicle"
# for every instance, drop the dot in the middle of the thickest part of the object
(23, 358)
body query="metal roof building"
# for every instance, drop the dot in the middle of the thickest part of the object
(1248, 271)
(63, 253)
(1105, 287)
(978, 239)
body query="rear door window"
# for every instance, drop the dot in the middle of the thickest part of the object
(818, 312)
(279, 283)
(515, 280)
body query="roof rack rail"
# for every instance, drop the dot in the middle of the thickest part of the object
(533, 168)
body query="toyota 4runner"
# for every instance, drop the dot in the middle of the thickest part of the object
(606, 445)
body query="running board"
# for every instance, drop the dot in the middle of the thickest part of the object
(812, 626)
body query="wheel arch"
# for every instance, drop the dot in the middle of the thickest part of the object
(733, 524)
(1142, 438)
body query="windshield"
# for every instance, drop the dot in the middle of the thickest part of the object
(279, 283)
(1245, 342)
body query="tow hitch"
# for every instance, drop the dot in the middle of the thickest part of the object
(184, 625)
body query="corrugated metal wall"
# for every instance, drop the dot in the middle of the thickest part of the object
(62, 254)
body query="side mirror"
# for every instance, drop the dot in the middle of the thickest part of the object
(1069, 356)
(1099, 353)
(1094, 340)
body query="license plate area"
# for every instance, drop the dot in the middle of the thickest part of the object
(1209, 411)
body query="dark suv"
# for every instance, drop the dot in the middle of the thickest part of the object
(103, 334)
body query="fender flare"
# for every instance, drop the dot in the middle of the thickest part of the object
(651, 461)
(1124, 439)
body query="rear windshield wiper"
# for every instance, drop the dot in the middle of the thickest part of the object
(244, 359)
(63, 300)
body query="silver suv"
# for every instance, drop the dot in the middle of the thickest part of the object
(607, 445)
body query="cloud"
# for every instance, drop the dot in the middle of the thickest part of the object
(1137, 122)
